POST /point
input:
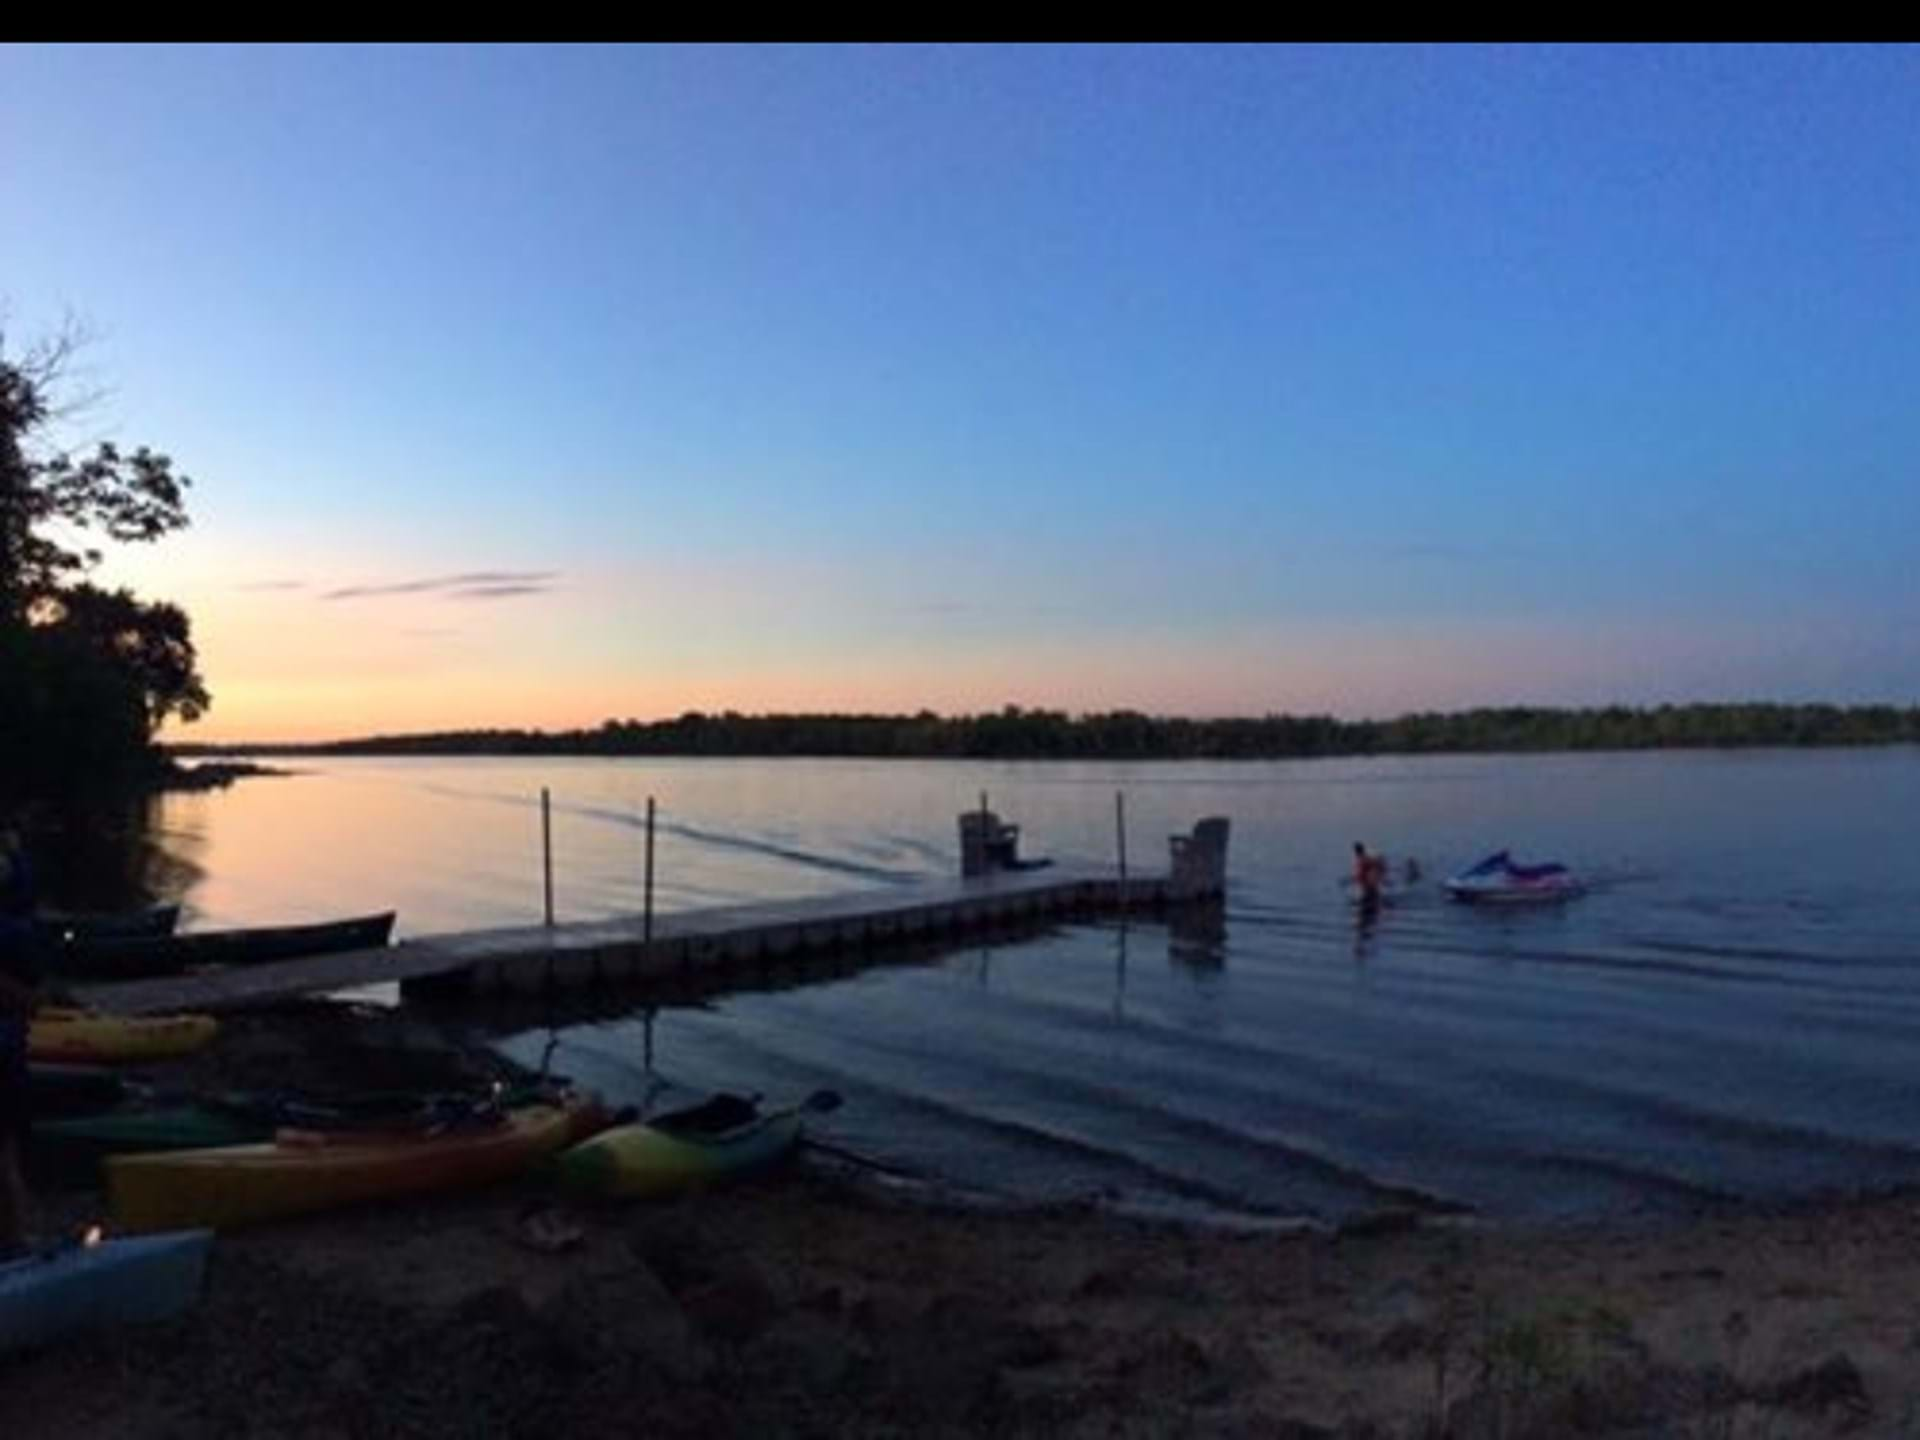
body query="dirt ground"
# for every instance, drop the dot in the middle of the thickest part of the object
(821, 1302)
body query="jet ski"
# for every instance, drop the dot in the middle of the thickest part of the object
(1497, 880)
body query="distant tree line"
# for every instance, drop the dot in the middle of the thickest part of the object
(1014, 733)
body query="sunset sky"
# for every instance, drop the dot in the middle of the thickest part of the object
(543, 386)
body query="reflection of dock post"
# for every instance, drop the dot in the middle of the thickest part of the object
(546, 850)
(646, 907)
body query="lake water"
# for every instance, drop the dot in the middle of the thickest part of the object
(1732, 1012)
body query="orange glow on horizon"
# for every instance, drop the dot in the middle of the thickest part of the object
(1349, 671)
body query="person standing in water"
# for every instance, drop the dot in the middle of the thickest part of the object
(1369, 874)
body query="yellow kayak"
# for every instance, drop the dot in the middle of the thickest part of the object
(86, 1037)
(296, 1173)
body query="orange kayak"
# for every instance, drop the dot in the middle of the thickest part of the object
(241, 1184)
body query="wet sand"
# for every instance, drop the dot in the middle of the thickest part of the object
(822, 1301)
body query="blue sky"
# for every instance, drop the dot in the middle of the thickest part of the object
(1203, 380)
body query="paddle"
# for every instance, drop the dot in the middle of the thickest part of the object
(376, 1112)
(853, 1157)
(825, 1102)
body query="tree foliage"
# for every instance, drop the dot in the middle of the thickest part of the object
(87, 675)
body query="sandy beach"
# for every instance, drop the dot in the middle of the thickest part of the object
(826, 1300)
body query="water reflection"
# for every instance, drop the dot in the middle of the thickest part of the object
(1744, 1016)
(1366, 920)
(120, 859)
(1197, 936)
(507, 1013)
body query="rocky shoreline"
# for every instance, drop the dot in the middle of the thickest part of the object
(823, 1302)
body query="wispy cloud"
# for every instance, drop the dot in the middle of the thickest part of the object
(475, 585)
(498, 592)
(274, 585)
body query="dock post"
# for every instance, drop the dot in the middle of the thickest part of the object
(546, 850)
(1120, 833)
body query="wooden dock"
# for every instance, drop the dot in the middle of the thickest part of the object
(534, 959)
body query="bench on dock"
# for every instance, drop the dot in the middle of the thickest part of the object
(988, 845)
(1199, 860)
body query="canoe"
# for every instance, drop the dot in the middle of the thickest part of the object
(292, 1175)
(725, 1139)
(1497, 880)
(136, 958)
(87, 1038)
(55, 1090)
(57, 928)
(113, 1282)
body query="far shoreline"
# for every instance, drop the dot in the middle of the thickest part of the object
(1130, 736)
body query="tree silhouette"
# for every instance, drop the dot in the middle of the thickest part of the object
(89, 674)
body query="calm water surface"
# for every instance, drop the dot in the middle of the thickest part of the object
(1733, 1012)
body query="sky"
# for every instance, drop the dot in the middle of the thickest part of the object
(542, 386)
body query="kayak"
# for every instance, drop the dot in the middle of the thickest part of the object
(111, 1282)
(73, 1089)
(724, 1139)
(1497, 880)
(302, 1170)
(90, 1038)
(76, 1146)
(138, 957)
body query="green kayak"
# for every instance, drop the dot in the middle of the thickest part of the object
(75, 1147)
(724, 1139)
